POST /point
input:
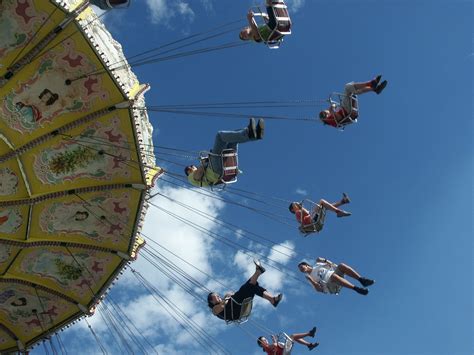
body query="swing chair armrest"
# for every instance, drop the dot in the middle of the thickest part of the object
(251, 21)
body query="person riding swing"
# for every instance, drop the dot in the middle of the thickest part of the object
(277, 24)
(282, 344)
(346, 111)
(212, 171)
(236, 306)
(313, 221)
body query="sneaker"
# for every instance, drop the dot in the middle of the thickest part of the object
(345, 198)
(361, 291)
(260, 128)
(366, 282)
(375, 81)
(380, 87)
(252, 129)
(312, 332)
(258, 266)
(312, 346)
(277, 300)
(343, 213)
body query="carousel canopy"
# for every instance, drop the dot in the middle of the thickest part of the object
(74, 167)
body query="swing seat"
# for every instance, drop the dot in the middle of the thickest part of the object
(351, 115)
(283, 22)
(317, 224)
(245, 310)
(230, 165)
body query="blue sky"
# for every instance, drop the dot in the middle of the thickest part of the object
(407, 166)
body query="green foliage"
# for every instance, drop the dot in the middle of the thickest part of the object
(67, 271)
(68, 161)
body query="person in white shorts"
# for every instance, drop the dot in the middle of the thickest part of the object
(328, 277)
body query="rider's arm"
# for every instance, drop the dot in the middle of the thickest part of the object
(198, 174)
(218, 308)
(252, 23)
(315, 284)
(324, 260)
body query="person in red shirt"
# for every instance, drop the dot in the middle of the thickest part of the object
(276, 348)
(348, 111)
(304, 217)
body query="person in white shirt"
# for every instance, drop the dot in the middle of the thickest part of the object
(328, 277)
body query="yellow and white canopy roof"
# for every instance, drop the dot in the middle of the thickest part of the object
(73, 170)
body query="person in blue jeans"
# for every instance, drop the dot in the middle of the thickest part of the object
(109, 4)
(211, 174)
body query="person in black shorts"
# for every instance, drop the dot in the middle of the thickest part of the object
(230, 307)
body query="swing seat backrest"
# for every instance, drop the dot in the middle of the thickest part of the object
(283, 23)
(245, 310)
(230, 166)
(350, 116)
(283, 20)
(355, 107)
(317, 225)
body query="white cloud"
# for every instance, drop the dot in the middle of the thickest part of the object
(162, 11)
(184, 9)
(295, 5)
(239, 233)
(158, 9)
(281, 254)
(191, 245)
(275, 280)
(301, 191)
(207, 4)
(153, 321)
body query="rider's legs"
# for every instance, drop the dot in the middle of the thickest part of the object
(329, 206)
(341, 281)
(347, 270)
(226, 140)
(351, 89)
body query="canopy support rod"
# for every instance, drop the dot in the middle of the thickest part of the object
(58, 194)
(33, 53)
(37, 141)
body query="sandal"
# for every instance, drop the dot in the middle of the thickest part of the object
(277, 300)
(258, 266)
